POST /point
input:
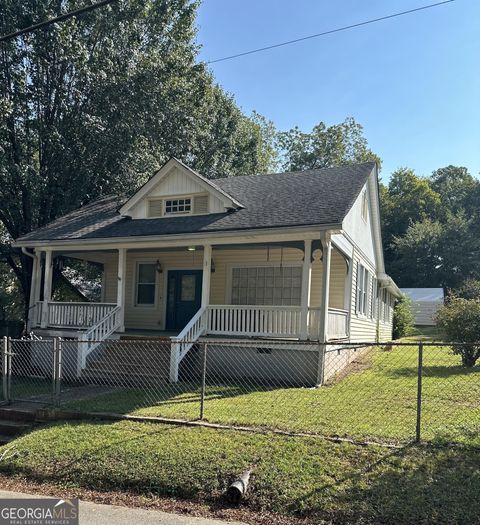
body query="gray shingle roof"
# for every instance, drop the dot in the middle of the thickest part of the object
(312, 197)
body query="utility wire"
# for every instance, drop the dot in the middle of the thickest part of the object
(337, 30)
(60, 18)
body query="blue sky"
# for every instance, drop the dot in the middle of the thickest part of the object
(413, 82)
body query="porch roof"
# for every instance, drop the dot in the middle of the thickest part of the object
(311, 197)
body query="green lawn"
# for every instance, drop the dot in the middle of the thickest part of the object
(295, 476)
(376, 400)
(31, 387)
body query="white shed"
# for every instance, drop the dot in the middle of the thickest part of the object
(425, 303)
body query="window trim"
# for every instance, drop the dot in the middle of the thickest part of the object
(177, 198)
(363, 287)
(138, 262)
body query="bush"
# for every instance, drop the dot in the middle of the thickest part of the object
(402, 318)
(460, 319)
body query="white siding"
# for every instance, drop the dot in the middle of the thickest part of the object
(362, 328)
(177, 183)
(359, 230)
(153, 317)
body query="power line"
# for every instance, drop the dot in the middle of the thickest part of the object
(60, 18)
(338, 29)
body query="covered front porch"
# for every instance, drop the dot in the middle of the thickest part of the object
(291, 289)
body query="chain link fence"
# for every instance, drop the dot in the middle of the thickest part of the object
(396, 392)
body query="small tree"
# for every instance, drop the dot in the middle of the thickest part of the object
(402, 318)
(460, 319)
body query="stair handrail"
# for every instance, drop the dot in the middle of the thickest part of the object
(95, 335)
(182, 343)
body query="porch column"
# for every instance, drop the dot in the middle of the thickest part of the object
(121, 283)
(207, 274)
(323, 326)
(47, 287)
(306, 285)
(33, 287)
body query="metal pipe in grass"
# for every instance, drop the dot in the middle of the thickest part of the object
(238, 488)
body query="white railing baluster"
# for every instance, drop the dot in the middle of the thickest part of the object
(73, 315)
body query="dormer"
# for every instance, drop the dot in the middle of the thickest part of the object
(178, 191)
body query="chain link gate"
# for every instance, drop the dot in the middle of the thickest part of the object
(31, 370)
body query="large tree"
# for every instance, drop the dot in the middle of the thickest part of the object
(406, 200)
(431, 227)
(93, 105)
(324, 146)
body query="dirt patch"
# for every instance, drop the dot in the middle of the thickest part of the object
(362, 362)
(217, 510)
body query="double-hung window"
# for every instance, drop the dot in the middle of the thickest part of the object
(145, 284)
(373, 303)
(363, 287)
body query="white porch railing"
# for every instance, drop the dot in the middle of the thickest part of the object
(337, 324)
(71, 315)
(96, 335)
(182, 343)
(337, 327)
(265, 321)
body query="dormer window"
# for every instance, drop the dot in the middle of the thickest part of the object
(178, 206)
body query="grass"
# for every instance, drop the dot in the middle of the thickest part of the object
(376, 400)
(31, 387)
(303, 477)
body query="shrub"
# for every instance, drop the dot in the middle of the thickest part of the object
(403, 318)
(460, 319)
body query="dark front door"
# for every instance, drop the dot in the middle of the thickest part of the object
(184, 297)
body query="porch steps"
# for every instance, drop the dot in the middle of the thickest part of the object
(135, 364)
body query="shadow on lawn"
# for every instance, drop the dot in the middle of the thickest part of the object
(181, 395)
(415, 484)
(432, 371)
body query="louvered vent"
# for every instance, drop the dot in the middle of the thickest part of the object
(200, 204)
(155, 208)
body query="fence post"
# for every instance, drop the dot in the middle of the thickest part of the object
(204, 377)
(322, 349)
(6, 362)
(419, 393)
(57, 369)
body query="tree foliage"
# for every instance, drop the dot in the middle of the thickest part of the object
(431, 227)
(470, 289)
(460, 320)
(324, 146)
(95, 104)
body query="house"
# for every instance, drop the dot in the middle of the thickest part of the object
(425, 304)
(292, 256)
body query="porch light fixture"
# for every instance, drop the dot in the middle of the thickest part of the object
(191, 248)
(212, 266)
(158, 267)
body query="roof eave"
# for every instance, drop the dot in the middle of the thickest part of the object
(188, 237)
